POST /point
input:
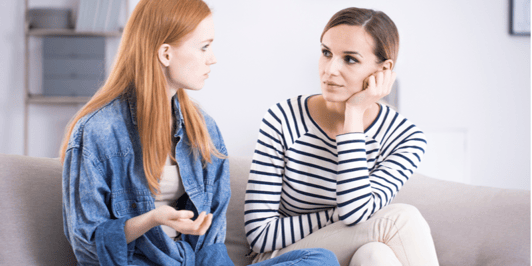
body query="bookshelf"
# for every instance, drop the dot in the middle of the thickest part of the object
(41, 99)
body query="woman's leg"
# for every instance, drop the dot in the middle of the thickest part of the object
(400, 226)
(303, 257)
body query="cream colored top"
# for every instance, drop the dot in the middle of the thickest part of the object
(171, 189)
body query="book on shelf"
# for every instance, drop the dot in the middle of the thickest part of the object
(98, 15)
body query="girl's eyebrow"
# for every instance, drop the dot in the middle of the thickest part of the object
(345, 52)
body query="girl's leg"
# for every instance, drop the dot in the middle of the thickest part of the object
(400, 226)
(303, 257)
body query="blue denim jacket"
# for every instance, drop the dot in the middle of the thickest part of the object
(104, 185)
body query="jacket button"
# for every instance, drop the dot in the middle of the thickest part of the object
(134, 205)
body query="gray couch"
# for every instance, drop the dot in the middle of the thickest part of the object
(471, 225)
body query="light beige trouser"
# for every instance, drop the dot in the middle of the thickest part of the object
(400, 227)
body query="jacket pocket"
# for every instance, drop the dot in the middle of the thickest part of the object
(131, 207)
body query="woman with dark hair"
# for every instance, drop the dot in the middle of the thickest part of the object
(145, 170)
(326, 167)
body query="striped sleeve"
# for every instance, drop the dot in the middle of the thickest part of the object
(362, 191)
(266, 227)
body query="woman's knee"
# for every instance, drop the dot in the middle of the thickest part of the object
(406, 212)
(374, 254)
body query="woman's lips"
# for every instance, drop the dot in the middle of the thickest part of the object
(330, 83)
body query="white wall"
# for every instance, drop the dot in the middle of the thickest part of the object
(463, 79)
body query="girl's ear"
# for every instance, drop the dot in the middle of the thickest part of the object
(388, 64)
(164, 54)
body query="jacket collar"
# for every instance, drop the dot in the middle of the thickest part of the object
(176, 109)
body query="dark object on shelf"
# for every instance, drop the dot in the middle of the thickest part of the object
(50, 18)
(520, 17)
(73, 66)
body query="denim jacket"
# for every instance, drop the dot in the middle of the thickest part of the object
(104, 185)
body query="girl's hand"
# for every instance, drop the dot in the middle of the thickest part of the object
(181, 220)
(375, 87)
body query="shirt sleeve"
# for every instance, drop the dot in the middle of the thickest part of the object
(360, 193)
(266, 228)
(94, 236)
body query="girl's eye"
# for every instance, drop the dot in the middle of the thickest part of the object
(204, 48)
(326, 53)
(350, 60)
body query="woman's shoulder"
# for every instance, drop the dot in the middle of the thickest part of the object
(106, 124)
(288, 108)
(392, 121)
(209, 120)
(295, 101)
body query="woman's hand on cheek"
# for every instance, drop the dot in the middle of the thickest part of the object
(375, 88)
(181, 220)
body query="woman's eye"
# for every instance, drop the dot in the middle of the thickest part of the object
(326, 53)
(350, 60)
(204, 48)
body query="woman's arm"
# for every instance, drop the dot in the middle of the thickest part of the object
(361, 193)
(265, 227)
(87, 219)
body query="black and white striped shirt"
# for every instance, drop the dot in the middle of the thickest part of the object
(301, 180)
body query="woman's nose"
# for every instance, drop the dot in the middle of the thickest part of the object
(333, 67)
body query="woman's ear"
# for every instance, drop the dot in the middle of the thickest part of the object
(164, 54)
(388, 64)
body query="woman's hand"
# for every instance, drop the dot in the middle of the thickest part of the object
(376, 87)
(166, 215)
(181, 220)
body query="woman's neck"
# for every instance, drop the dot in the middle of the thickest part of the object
(330, 116)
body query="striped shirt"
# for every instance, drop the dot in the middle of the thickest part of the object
(301, 180)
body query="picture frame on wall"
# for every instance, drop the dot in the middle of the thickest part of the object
(520, 17)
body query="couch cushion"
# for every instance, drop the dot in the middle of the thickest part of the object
(472, 225)
(236, 241)
(31, 226)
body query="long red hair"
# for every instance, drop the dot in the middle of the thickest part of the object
(152, 24)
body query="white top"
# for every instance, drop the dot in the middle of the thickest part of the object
(171, 189)
(301, 180)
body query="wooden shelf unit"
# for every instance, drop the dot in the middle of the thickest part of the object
(30, 98)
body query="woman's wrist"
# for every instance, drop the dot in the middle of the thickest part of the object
(354, 120)
(139, 225)
(155, 217)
